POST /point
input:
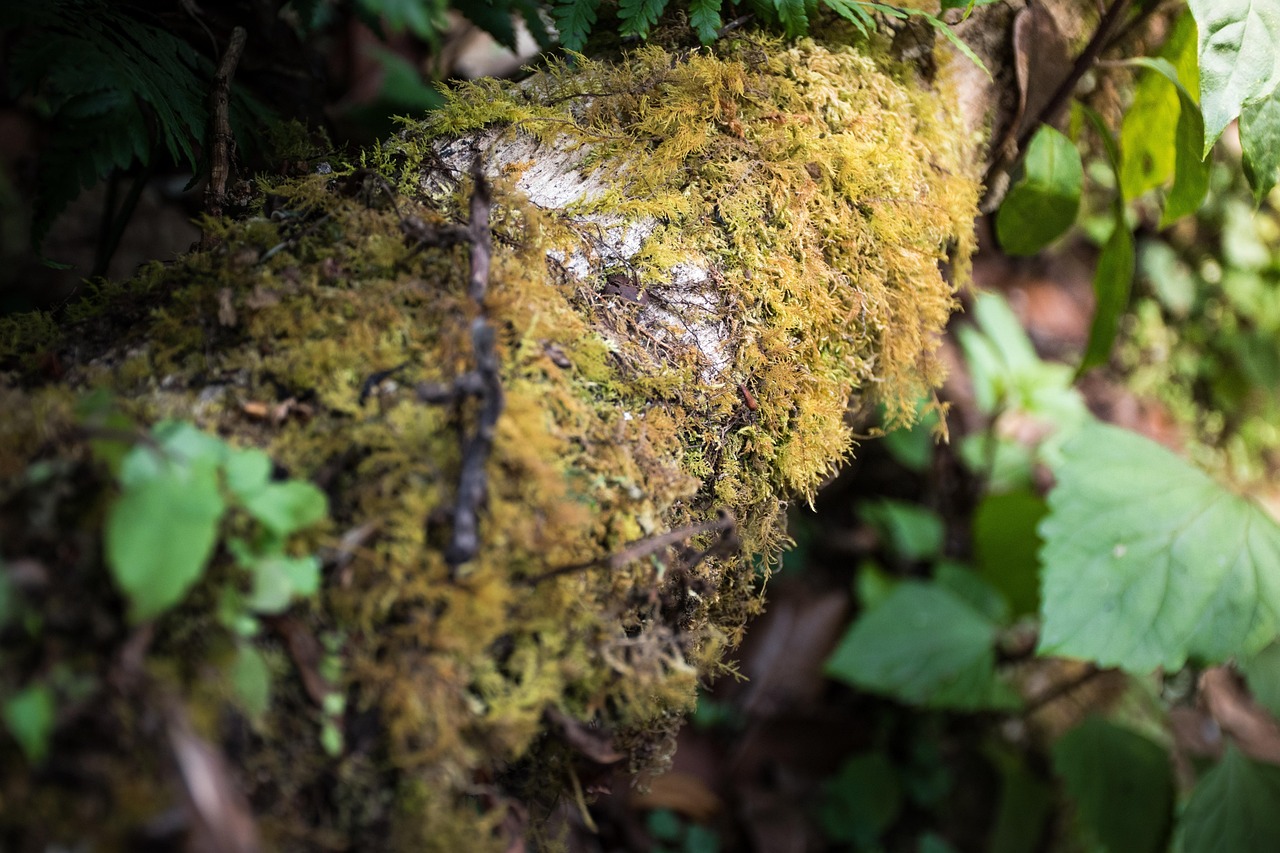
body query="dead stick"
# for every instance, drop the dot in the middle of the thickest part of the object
(220, 138)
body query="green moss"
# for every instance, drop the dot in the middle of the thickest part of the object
(815, 191)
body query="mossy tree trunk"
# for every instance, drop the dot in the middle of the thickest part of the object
(556, 410)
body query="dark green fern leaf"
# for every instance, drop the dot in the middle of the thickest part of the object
(639, 16)
(704, 17)
(854, 12)
(792, 16)
(574, 20)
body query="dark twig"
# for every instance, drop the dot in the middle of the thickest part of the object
(1062, 689)
(724, 523)
(1053, 108)
(220, 138)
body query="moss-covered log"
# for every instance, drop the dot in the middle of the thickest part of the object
(696, 262)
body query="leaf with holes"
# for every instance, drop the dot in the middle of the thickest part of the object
(1147, 561)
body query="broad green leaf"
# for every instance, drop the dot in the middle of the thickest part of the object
(1147, 133)
(1121, 782)
(1147, 561)
(247, 472)
(29, 716)
(251, 679)
(160, 533)
(1238, 58)
(872, 584)
(1262, 671)
(278, 580)
(924, 646)
(1112, 282)
(1006, 546)
(1234, 808)
(1191, 171)
(704, 17)
(908, 530)
(1026, 802)
(962, 582)
(1260, 142)
(286, 507)
(861, 801)
(1043, 203)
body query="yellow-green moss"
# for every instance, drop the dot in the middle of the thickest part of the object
(818, 188)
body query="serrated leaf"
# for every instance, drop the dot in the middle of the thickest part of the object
(1260, 144)
(639, 16)
(1191, 171)
(29, 717)
(1147, 132)
(1238, 58)
(574, 19)
(1147, 561)
(251, 679)
(924, 646)
(1112, 283)
(704, 17)
(1043, 204)
(286, 507)
(160, 533)
(1121, 782)
(1233, 808)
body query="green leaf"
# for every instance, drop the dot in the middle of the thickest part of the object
(861, 801)
(1043, 204)
(160, 534)
(574, 20)
(793, 16)
(923, 646)
(854, 12)
(251, 679)
(1112, 282)
(1238, 58)
(704, 17)
(287, 507)
(964, 583)
(493, 18)
(247, 472)
(278, 580)
(908, 530)
(1147, 132)
(1262, 671)
(1233, 808)
(639, 16)
(1121, 782)
(1148, 561)
(29, 716)
(1006, 546)
(1260, 142)
(1191, 170)
(424, 18)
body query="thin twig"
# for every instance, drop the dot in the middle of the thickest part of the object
(724, 523)
(220, 138)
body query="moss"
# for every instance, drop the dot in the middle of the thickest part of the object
(812, 191)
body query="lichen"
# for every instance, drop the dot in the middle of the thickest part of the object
(787, 211)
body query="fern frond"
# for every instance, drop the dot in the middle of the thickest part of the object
(639, 16)
(704, 17)
(574, 20)
(853, 12)
(792, 16)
